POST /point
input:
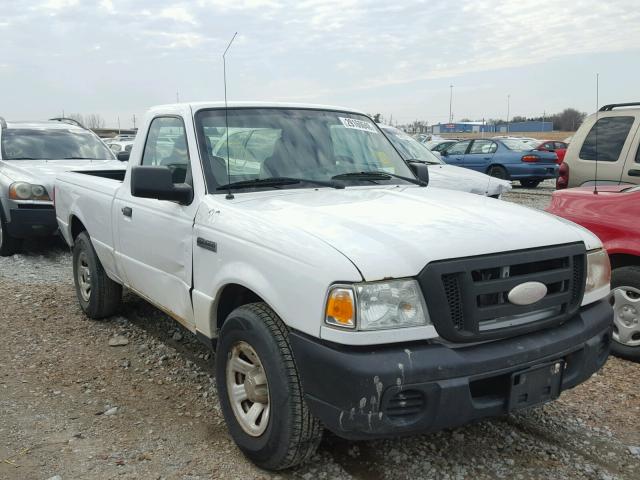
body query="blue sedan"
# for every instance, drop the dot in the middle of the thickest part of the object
(505, 158)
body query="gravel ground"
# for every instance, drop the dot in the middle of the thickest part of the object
(73, 405)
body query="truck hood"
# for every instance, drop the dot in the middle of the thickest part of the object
(465, 180)
(44, 172)
(396, 231)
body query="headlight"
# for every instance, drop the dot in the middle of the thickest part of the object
(27, 191)
(598, 270)
(377, 305)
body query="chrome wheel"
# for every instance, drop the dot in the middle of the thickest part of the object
(626, 310)
(247, 389)
(83, 275)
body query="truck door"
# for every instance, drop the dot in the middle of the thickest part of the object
(480, 154)
(455, 154)
(155, 236)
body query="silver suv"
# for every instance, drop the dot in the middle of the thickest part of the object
(612, 137)
(31, 155)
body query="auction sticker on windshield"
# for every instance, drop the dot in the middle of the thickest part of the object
(358, 124)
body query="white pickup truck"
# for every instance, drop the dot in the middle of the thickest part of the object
(340, 291)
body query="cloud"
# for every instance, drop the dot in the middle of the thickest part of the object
(59, 4)
(177, 13)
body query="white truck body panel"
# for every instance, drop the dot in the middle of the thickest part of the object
(289, 246)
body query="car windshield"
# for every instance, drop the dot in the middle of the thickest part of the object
(277, 143)
(410, 148)
(52, 144)
(515, 144)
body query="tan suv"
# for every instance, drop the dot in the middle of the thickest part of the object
(611, 136)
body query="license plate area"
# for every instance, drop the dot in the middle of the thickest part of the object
(536, 385)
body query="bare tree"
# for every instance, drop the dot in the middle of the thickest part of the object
(93, 121)
(78, 117)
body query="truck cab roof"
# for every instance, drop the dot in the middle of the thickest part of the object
(254, 104)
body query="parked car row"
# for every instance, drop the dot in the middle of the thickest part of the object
(341, 290)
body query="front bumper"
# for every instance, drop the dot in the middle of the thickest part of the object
(370, 392)
(28, 221)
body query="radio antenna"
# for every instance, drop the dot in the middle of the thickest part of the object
(229, 195)
(595, 185)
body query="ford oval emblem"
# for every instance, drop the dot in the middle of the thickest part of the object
(527, 293)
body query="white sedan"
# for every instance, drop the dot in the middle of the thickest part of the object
(442, 175)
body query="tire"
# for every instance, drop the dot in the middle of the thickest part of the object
(626, 279)
(98, 295)
(8, 244)
(290, 434)
(529, 183)
(498, 171)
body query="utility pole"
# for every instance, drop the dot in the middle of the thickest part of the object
(118, 125)
(544, 115)
(508, 111)
(134, 121)
(177, 96)
(450, 103)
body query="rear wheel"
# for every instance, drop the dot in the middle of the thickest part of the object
(8, 244)
(498, 171)
(260, 391)
(98, 295)
(529, 183)
(625, 282)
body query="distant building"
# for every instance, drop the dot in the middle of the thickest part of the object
(529, 126)
(461, 127)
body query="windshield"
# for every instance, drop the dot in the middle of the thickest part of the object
(276, 143)
(515, 144)
(410, 148)
(53, 144)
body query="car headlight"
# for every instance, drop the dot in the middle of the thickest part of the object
(27, 191)
(598, 270)
(376, 305)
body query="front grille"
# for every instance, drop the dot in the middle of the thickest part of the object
(467, 298)
(404, 404)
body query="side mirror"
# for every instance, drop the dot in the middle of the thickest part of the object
(156, 182)
(443, 153)
(124, 155)
(420, 170)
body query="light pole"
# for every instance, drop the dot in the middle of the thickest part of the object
(450, 103)
(508, 110)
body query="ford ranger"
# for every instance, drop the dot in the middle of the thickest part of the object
(340, 290)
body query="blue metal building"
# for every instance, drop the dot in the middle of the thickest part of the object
(529, 126)
(461, 127)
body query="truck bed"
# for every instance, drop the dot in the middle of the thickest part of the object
(90, 196)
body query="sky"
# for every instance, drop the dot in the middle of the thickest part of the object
(117, 58)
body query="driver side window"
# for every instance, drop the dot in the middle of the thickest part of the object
(167, 146)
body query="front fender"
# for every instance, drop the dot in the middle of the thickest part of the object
(289, 269)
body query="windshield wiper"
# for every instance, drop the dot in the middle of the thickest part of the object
(377, 175)
(24, 158)
(79, 158)
(276, 182)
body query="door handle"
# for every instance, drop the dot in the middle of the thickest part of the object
(127, 211)
(487, 158)
(634, 172)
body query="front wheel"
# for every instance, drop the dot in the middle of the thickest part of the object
(260, 391)
(625, 282)
(8, 244)
(529, 183)
(98, 295)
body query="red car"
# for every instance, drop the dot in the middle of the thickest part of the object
(614, 216)
(560, 148)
